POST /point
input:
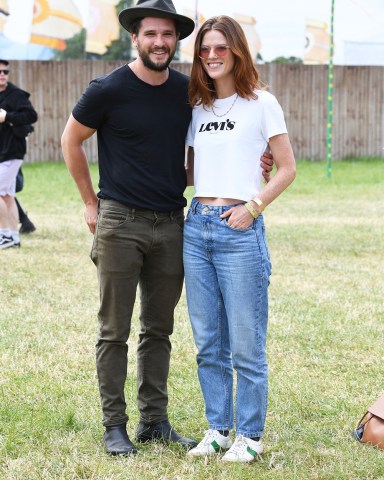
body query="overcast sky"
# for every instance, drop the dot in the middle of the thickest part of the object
(281, 23)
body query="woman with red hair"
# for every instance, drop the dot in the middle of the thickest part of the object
(226, 257)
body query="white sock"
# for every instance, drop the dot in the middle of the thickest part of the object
(5, 231)
(15, 236)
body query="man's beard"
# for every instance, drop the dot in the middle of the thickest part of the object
(157, 67)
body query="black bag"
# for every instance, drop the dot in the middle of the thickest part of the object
(19, 181)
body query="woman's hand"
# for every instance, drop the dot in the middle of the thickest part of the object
(238, 217)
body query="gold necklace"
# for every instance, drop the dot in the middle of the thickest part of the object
(226, 113)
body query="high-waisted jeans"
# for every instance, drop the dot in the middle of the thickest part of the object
(227, 276)
(134, 247)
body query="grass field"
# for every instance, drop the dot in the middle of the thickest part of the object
(325, 343)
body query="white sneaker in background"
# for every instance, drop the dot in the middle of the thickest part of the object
(6, 241)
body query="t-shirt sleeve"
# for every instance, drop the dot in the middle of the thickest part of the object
(191, 133)
(273, 122)
(89, 109)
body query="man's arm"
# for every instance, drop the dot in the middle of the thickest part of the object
(72, 140)
(189, 167)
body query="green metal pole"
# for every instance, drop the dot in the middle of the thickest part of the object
(330, 96)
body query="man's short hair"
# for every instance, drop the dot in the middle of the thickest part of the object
(136, 24)
(4, 62)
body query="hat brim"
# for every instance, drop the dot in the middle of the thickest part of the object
(185, 24)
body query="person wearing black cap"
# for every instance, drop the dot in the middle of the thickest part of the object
(16, 115)
(141, 114)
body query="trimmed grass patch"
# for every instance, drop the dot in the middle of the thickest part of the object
(325, 340)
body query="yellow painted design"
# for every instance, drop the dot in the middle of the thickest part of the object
(43, 11)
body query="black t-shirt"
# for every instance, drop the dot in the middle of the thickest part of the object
(141, 131)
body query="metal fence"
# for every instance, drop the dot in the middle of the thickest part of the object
(358, 107)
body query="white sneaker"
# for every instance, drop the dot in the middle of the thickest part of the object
(212, 443)
(6, 241)
(244, 450)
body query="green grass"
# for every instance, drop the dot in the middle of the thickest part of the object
(325, 343)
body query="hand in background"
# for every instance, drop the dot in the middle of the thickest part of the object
(3, 114)
(266, 162)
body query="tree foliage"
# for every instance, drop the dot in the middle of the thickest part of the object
(292, 59)
(119, 49)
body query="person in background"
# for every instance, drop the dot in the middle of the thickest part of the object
(16, 114)
(26, 225)
(226, 258)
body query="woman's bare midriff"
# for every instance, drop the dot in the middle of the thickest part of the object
(219, 202)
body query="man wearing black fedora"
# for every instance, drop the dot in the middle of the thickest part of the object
(141, 114)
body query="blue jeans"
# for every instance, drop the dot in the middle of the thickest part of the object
(227, 276)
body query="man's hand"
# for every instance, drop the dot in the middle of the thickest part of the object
(3, 114)
(266, 162)
(90, 216)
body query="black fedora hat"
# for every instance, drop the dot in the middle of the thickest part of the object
(156, 8)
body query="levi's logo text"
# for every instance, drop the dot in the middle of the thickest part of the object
(214, 127)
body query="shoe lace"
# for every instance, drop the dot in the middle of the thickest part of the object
(239, 445)
(209, 435)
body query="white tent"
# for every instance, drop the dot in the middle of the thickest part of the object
(369, 51)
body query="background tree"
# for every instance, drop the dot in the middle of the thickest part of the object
(296, 60)
(119, 49)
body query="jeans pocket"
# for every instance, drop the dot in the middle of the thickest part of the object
(179, 221)
(189, 215)
(240, 230)
(111, 219)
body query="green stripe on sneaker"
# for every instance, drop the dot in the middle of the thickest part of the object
(215, 446)
(251, 452)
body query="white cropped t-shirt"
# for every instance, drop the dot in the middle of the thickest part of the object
(228, 149)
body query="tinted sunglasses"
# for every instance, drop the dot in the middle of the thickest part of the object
(4, 71)
(218, 50)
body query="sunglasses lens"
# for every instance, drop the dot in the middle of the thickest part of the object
(221, 50)
(4, 71)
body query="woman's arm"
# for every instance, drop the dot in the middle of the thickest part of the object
(286, 169)
(239, 216)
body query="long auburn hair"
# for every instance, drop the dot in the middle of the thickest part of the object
(201, 86)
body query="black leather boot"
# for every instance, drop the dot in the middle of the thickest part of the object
(162, 431)
(117, 442)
